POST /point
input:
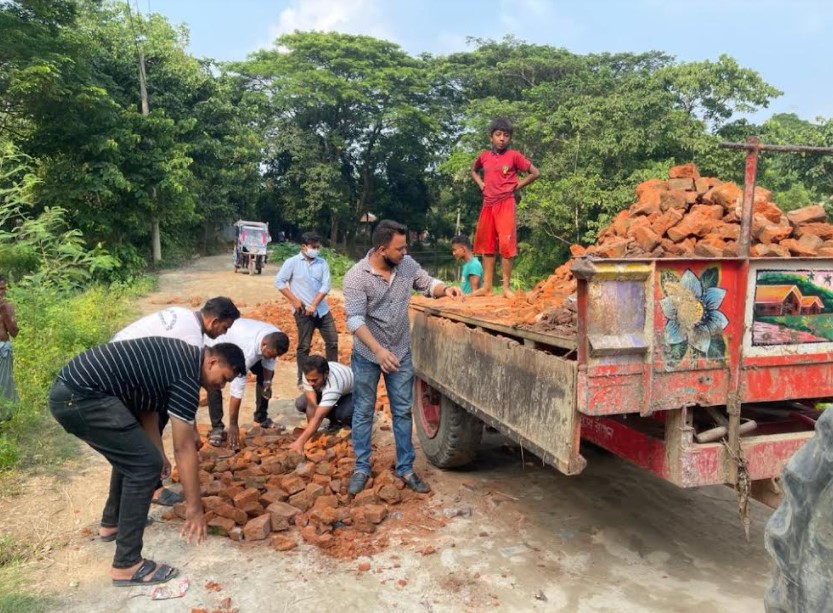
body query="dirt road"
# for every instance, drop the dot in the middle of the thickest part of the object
(612, 539)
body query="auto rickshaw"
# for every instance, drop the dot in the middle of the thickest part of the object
(251, 238)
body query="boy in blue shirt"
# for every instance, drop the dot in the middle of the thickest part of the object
(472, 269)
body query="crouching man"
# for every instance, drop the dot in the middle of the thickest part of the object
(328, 392)
(112, 397)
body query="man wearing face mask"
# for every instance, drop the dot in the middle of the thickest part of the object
(304, 280)
(377, 291)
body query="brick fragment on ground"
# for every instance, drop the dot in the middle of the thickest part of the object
(221, 526)
(281, 542)
(258, 528)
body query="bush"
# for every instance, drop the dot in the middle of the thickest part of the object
(55, 325)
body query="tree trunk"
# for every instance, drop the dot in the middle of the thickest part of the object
(333, 230)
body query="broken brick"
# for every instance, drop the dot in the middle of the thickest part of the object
(823, 230)
(366, 496)
(246, 497)
(646, 238)
(673, 200)
(727, 195)
(292, 484)
(282, 514)
(258, 528)
(226, 510)
(684, 171)
(375, 513)
(388, 492)
(809, 214)
(275, 495)
(221, 526)
(683, 184)
(281, 542)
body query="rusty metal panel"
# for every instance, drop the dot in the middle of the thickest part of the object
(526, 393)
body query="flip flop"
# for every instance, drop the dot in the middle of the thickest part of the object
(168, 498)
(217, 437)
(112, 537)
(162, 573)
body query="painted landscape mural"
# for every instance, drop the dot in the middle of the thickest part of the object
(793, 307)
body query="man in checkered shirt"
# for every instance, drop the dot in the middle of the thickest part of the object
(376, 294)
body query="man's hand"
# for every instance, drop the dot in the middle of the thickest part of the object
(194, 527)
(166, 467)
(297, 446)
(309, 311)
(298, 306)
(454, 292)
(234, 436)
(388, 362)
(267, 390)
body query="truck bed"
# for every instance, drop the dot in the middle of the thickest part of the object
(495, 315)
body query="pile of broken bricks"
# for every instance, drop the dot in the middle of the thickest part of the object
(264, 492)
(685, 216)
(693, 216)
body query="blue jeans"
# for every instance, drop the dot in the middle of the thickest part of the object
(400, 386)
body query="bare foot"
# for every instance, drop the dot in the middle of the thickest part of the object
(508, 293)
(483, 291)
(105, 531)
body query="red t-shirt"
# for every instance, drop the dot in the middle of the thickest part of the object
(500, 173)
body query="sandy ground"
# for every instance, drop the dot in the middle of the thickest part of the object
(612, 539)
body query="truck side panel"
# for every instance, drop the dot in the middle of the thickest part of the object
(526, 393)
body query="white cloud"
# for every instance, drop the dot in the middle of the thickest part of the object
(348, 16)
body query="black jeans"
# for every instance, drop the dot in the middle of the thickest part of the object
(215, 401)
(306, 327)
(340, 414)
(106, 425)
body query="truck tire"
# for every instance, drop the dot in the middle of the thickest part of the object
(799, 535)
(449, 435)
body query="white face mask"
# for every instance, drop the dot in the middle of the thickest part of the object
(312, 253)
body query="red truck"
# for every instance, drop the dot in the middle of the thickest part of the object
(701, 371)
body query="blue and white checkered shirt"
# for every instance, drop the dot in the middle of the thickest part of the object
(306, 279)
(383, 307)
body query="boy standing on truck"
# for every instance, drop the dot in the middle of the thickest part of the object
(472, 272)
(496, 231)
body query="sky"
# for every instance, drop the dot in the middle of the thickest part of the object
(786, 41)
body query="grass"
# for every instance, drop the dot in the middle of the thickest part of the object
(54, 327)
(13, 584)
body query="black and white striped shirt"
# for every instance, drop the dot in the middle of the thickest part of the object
(383, 307)
(146, 374)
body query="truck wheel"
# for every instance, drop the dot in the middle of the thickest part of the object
(449, 435)
(799, 535)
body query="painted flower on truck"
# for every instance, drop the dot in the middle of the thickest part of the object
(691, 306)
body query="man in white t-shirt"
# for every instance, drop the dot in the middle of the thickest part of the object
(212, 320)
(328, 392)
(261, 343)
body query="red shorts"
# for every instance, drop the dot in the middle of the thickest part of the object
(496, 229)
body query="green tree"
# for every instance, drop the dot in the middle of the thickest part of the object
(350, 124)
